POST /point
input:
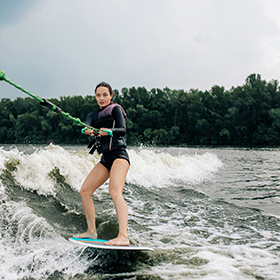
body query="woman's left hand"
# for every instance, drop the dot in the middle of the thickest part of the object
(103, 133)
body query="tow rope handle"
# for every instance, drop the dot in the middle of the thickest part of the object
(110, 132)
(49, 105)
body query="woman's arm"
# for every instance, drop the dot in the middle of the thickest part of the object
(120, 126)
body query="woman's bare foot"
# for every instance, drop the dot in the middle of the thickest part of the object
(87, 234)
(119, 241)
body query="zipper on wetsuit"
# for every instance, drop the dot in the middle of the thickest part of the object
(110, 146)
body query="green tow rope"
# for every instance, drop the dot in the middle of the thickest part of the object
(51, 106)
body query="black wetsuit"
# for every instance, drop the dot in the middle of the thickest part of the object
(111, 147)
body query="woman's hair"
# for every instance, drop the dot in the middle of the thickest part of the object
(104, 84)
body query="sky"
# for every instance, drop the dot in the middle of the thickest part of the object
(55, 48)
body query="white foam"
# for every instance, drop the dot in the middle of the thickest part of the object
(30, 248)
(7, 156)
(149, 168)
(33, 170)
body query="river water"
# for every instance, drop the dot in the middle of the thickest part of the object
(209, 213)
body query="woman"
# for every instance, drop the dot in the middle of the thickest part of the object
(114, 163)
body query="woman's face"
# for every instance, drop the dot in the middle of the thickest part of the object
(103, 96)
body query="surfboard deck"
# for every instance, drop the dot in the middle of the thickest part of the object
(99, 244)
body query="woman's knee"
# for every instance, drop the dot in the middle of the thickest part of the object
(115, 194)
(85, 190)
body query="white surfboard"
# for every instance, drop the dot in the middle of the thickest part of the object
(99, 244)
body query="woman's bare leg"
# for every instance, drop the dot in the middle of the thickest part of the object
(117, 180)
(98, 176)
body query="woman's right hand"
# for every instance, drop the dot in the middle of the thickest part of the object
(89, 132)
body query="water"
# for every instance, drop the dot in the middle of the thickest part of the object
(208, 213)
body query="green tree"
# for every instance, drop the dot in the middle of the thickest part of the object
(245, 115)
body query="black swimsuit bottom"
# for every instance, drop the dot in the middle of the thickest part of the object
(109, 157)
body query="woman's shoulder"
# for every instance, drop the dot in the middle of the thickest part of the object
(116, 106)
(118, 109)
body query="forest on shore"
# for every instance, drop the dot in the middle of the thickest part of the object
(244, 116)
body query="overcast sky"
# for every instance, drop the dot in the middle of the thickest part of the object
(57, 48)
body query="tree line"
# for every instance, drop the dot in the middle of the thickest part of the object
(247, 115)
